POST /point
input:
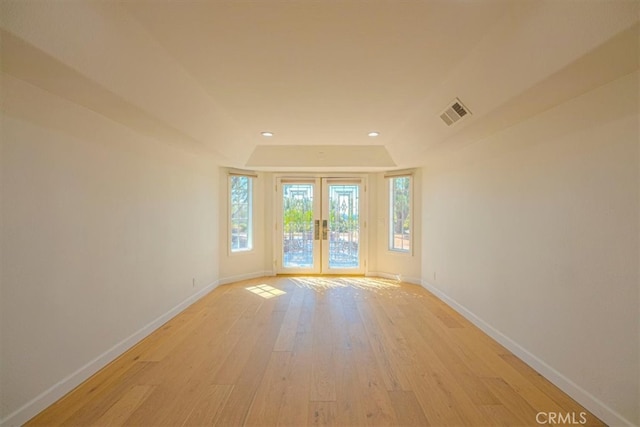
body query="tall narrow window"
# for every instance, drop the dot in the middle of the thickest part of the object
(400, 213)
(241, 212)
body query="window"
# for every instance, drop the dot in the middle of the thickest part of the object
(241, 212)
(400, 214)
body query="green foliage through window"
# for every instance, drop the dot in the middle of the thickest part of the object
(241, 215)
(400, 213)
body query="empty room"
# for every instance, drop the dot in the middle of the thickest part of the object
(291, 213)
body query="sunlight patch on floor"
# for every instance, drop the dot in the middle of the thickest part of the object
(364, 283)
(265, 291)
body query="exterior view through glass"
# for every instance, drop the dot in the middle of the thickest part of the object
(344, 226)
(297, 233)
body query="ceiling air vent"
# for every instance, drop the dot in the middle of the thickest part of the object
(454, 112)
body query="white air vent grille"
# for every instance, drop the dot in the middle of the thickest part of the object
(455, 112)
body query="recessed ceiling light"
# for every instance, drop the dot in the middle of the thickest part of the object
(266, 133)
(372, 134)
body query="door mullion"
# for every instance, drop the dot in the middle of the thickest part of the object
(305, 203)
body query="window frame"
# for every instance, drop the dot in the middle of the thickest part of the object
(250, 220)
(390, 208)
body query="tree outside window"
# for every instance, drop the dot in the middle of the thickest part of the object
(241, 214)
(400, 214)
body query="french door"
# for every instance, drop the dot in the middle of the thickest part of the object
(320, 225)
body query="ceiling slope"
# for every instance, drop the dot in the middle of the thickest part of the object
(212, 75)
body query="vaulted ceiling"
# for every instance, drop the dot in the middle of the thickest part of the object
(212, 75)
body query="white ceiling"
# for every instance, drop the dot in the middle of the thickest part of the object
(211, 75)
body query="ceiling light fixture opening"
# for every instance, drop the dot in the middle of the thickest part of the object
(373, 134)
(267, 134)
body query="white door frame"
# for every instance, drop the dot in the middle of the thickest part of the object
(321, 213)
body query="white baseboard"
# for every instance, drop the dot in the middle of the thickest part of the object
(241, 277)
(392, 276)
(586, 399)
(64, 386)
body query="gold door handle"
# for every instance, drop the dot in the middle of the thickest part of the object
(324, 229)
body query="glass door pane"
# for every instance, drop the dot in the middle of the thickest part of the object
(344, 226)
(342, 210)
(299, 239)
(319, 226)
(297, 230)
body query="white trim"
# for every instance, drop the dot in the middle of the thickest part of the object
(392, 276)
(399, 173)
(241, 277)
(242, 172)
(582, 396)
(64, 386)
(382, 275)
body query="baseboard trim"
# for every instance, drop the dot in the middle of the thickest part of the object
(392, 276)
(64, 386)
(586, 399)
(248, 276)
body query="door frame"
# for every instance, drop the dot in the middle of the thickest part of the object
(318, 178)
(325, 215)
(279, 224)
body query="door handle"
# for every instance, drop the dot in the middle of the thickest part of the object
(324, 229)
(316, 230)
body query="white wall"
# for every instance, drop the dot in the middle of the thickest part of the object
(533, 233)
(103, 232)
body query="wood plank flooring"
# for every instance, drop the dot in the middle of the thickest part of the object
(296, 351)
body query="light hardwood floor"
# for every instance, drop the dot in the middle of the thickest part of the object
(299, 351)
